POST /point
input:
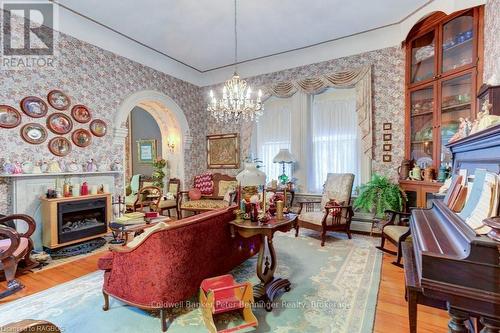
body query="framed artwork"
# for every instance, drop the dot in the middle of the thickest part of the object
(387, 158)
(59, 123)
(9, 117)
(146, 151)
(98, 127)
(387, 147)
(34, 133)
(58, 100)
(81, 137)
(34, 107)
(59, 146)
(387, 137)
(81, 113)
(223, 151)
(387, 126)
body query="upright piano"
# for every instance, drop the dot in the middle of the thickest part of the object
(453, 264)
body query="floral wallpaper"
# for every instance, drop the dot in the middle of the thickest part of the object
(101, 80)
(492, 41)
(388, 99)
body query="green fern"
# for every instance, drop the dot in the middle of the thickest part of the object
(378, 195)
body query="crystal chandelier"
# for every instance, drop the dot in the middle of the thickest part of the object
(236, 102)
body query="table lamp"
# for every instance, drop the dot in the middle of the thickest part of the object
(250, 178)
(284, 156)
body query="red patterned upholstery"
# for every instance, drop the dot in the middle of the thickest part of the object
(204, 183)
(170, 264)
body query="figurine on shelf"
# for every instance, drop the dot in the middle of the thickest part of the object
(54, 167)
(27, 167)
(17, 168)
(37, 167)
(8, 167)
(464, 129)
(62, 166)
(91, 166)
(73, 167)
(44, 166)
(484, 119)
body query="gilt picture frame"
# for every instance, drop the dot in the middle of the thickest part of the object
(146, 151)
(223, 151)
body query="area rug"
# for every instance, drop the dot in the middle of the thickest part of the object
(334, 289)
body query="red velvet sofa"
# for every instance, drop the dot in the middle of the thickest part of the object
(168, 266)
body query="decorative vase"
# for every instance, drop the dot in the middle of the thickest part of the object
(27, 167)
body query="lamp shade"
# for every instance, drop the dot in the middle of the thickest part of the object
(251, 176)
(284, 156)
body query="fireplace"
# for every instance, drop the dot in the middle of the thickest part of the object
(81, 219)
(73, 220)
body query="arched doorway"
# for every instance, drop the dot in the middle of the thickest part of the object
(171, 121)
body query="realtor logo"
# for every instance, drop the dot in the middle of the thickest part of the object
(28, 37)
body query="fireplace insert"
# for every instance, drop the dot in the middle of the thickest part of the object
(81, 219)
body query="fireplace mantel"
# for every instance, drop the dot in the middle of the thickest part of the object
(57, 174)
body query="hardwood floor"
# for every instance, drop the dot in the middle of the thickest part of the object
(391, 313)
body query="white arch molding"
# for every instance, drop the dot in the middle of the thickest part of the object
(170, 119)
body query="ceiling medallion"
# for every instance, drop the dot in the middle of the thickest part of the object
(236, 103)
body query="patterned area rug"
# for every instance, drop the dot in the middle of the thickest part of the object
(334, 289)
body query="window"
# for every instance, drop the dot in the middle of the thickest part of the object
(321, 131)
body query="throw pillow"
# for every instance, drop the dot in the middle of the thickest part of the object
(204, 183)
(226, 185)
(332, 204)
(194, 194)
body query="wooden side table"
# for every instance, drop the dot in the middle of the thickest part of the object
(266, 265)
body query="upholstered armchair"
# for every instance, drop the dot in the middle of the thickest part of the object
(171, 200)
(395, 228)
(334, 213)
(15, 249)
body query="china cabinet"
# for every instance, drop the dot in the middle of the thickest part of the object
(443, 73)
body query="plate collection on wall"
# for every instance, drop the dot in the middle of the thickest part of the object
(59, 123)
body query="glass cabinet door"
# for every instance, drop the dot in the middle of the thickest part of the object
(422, 57)
(457, 42)
(421, 122)
(455, 104)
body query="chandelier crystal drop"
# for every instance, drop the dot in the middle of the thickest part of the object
(236, 103)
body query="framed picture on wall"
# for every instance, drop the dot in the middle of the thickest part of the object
(146, 151)
(387, 137)
(387, 147)
(387, 126)
(223, 151)
(387, 158)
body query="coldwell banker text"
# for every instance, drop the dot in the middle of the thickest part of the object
(27, 35)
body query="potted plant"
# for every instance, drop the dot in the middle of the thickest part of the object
(158, 172)
(379, 195)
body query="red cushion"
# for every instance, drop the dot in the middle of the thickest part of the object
(194, 194)
(105, 262)
(225, 300)
(204, 183)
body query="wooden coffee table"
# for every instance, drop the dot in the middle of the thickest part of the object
(266, 265)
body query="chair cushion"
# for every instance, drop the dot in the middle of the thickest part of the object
(204, 204)
(338, 186)
(23, 244)
(130, 199)
(313, 217)
(226, 186)
(168, 203)
(395, 231)
(105, 262)
(204, 183)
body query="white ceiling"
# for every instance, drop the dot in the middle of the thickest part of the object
(200, 33)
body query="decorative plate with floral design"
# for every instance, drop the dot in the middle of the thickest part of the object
(34, 133)
(59, 123)
(81, 137)
(58, 100)
(81, 113)
(60, 146)
(9, 117)
(34, 107)
(98, 127)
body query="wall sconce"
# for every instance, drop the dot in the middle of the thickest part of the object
(171, 143)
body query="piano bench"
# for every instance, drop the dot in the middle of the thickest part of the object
(414, 293)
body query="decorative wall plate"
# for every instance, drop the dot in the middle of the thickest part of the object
(98, 127)
(59, 123)
(58, 100)
(34, 107)
(81, 137)
(59, 146)
(81, 113)
(34, 133)
(9, 117)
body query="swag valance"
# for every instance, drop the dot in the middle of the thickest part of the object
(360, 79)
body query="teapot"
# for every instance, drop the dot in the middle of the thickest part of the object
(27, 167)
(73, 166)
(404, 169)
(415, 173)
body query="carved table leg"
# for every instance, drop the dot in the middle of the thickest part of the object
(490, 325)
(266, 265)
(457, 321)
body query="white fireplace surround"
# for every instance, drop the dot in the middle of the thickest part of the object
(26, 190)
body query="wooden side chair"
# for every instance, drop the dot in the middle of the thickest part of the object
(335, 213)
(174, 188)
(15, 249)
(148, 196)
(395, 228)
